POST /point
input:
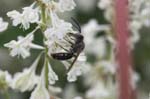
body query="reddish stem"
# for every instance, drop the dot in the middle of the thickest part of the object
(123, 52)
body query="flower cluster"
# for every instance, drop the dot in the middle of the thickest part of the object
(100, 42)
(55, 31)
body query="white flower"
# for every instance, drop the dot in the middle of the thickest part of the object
(31, 14)
(77, 97)
(52, 77)
(22, 46)
(28, 16)
(51, 46)
(91, 28)
(56, 33)
(98, 48)
(54, 90)
(89, 31)
(78, 69)
(15, 16)
(26, 80)
(3, 25)
(134, 79)
(98, 91)
(103, 4)
(108, 66)
(145, 13)
(5, 80)
(66, 5)
(135, 25)
(59, 28)
(40, 92)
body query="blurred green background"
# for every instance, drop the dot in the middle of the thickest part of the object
(83, 13)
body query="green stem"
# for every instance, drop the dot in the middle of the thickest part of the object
(43, 17)
(43, 28)
(46, 72)
(6, 95)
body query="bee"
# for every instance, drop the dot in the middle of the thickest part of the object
(76, 47)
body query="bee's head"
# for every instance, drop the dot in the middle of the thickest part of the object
(79, 38)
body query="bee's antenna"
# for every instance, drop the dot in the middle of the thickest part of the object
(76, 24)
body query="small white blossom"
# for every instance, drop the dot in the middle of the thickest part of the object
(92, 27)
(98, 48)
(134, 79)
(51, 46)
(40, 92)
(5, 80)
(99, 90)
(22, 46)
(15, 16)
(66, 5)
(78, 69)
(59, 28)
(56, 32)
(28, 16)
(3, 25)
(103, 4)
(89, 31)
(31, 14)
(77, 97)
(54, 90)
(26, 80)
(52, 77)
(145, 13)
(108, 66)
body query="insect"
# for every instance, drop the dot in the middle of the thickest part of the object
(76, 47)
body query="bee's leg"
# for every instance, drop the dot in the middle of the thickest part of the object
(69, 42)
(71, 35)
(76, 57)
(63, 47)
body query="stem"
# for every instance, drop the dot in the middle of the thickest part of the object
(43, 15)
(73, 62)
(46, 72)
(43, 28)
(123, 55)
(6, 94)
